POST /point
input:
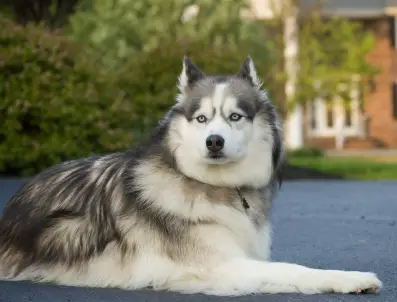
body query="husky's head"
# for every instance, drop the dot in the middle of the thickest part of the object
(224, 130)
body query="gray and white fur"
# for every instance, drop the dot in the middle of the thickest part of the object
(187, 210)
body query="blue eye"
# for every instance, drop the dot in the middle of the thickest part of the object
(201, 119)
(235, 117)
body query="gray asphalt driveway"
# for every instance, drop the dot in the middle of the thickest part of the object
(322, 224)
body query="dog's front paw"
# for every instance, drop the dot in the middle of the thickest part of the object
(344, 282)
(356, 282)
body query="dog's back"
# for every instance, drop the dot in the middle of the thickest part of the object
(63, 215)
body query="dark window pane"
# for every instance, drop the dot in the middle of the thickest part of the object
(394, 99)
(313, 120)
(392, 31)
(348, 115)
(330, 115)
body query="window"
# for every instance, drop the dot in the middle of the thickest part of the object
(330, 114)
(313, 121)
(394, 99)
(326, 117)
(348, 115)
(393, 32)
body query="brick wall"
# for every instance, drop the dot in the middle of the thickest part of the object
(378, 103)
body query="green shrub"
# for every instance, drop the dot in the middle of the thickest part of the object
(54, 104)
(57, 104)
(306, 152)
(117, 30)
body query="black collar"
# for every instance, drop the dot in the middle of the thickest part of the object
(243, 200)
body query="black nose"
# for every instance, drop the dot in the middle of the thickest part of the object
(215, 143)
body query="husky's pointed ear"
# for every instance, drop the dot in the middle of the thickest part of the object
(248, 72)
(190, 74)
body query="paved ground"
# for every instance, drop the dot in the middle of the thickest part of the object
(323, 224)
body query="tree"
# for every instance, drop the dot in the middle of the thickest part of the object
(118, 29)
(332, 54)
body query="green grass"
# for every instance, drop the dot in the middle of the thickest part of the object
(349, 168)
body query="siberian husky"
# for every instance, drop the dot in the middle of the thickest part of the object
(186, 211)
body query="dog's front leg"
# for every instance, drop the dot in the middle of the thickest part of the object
(244, 276)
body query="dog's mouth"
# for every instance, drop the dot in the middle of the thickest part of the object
(215, 155)
(216, 158)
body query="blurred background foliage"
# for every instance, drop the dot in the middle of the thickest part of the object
(332, 58)
(82, 77)
(55, 103)
(116, 30)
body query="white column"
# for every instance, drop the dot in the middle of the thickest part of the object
(294, 121)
